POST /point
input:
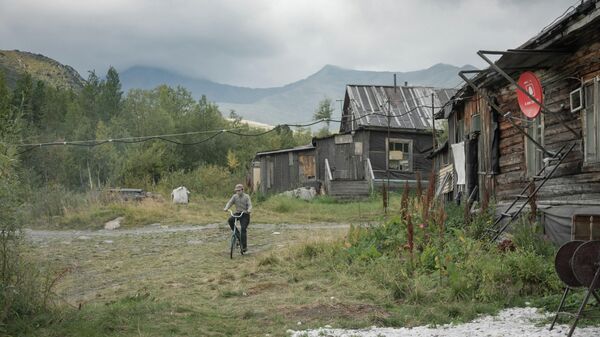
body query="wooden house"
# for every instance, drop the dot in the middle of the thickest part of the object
(503, 150)
(385, 135)
(283, 170)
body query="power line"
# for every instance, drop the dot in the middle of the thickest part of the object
(165, 137)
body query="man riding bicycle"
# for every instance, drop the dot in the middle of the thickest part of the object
(242, 204)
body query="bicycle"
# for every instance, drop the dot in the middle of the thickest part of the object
(235, 234)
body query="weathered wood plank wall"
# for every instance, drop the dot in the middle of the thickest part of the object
(572, 179)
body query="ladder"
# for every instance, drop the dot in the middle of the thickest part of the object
(496, 229)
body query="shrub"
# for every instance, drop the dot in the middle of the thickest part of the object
(23, 293)
(207, 180)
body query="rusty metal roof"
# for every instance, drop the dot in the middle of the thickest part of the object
(408, 107)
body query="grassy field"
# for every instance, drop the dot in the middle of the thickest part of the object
(93, 215)
(183, 283)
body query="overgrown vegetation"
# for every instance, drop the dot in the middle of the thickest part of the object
(24, 293)
(422, 264)
(58, 180)
(102, 112)
(381, 274)
(424, 257)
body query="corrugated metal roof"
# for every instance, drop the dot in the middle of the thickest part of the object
(408, 107)
(294, 149)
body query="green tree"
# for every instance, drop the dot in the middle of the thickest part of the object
(6, 116)
(110, 95)
(324, 111)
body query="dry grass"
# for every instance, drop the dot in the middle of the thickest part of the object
(201, 211)
(188, 278)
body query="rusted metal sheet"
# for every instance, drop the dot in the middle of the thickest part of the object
(307, 166)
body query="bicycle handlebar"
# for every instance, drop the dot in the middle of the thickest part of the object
(236, 216)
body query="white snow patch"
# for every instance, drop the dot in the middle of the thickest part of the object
(515, 322)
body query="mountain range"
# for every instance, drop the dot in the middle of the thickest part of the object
(290, 103)
(294, 102)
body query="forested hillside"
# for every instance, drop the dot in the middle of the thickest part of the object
(15, 63)
(98, 123)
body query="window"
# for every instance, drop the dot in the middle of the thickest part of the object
(591, 120)
(534, 154)
(459, 134)
(400, 154)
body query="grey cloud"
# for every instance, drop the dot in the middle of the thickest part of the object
(269, 42)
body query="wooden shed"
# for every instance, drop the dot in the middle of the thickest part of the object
(283, 170)
(559, 150)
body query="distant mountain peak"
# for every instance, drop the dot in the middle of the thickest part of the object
(296, 101)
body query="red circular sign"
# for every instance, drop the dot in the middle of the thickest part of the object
(531, 83)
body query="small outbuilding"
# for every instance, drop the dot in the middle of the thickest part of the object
(283, 170)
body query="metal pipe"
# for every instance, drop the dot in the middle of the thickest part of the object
(525, 51)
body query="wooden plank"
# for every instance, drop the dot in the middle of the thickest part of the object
(511, 159)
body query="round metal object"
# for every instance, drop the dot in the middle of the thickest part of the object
(585, 263)
(562, 263)
(529, 82)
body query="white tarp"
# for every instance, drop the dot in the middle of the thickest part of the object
(180, 195)
(458, 152)
(303, 193)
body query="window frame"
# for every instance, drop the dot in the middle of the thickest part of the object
(594, 83)
(409, 142)
(535, 129)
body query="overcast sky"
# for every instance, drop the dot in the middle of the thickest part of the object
(261, 43)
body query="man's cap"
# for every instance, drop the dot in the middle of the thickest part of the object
(238, 187)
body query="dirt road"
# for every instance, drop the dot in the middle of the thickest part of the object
(154, 229)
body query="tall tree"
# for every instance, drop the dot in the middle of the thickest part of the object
(324, 111)
(111, 95)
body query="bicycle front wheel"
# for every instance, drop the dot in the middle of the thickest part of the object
(233, 241)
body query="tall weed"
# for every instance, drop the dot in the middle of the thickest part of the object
(448, 262)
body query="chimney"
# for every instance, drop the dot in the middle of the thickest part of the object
(405, 84)
(395, 85)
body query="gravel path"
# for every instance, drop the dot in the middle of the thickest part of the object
(508, 323)
(42, 235)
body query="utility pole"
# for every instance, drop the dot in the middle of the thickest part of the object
(433, 120)
(387, 168)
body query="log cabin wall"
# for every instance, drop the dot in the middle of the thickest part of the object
(574, 179)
